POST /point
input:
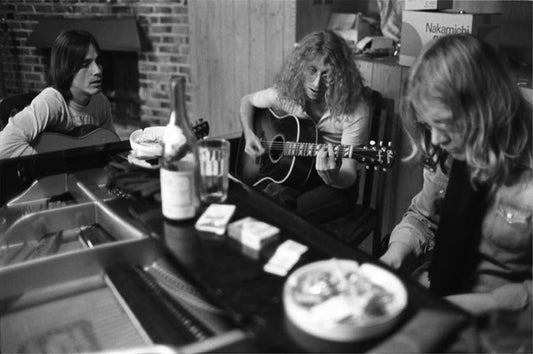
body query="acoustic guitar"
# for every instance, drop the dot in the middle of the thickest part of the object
(87, 136)
(52, 141)
(291, 146)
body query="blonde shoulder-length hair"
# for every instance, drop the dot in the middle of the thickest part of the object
(465, 75)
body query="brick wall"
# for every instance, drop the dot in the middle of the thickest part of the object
(164, 22)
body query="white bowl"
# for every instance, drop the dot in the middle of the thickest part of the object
(344, 316)
(148, 141)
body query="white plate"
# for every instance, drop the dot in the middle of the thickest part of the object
(148, 141)
(343, 316)
(132, 158)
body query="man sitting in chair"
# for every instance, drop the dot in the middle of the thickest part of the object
(73, 101)
(318, 82)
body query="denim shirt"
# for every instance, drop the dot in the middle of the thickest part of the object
(506, 240)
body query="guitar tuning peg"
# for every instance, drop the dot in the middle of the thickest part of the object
(384, 169)
(367, 167)
(372, 143)
(375, 168)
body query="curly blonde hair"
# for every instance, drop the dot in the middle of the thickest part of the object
(466, 76)
(344, 86)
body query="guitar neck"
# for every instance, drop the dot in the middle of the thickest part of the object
(290, 148)
(379, 155)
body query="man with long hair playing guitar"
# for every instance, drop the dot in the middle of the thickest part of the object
(74, 103)
(320, 83)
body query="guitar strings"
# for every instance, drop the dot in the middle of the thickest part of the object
(277, 145)
(310, 149)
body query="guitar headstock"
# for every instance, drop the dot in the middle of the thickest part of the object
(377, 155)
(200, 128)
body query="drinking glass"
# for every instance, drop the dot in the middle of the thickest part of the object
(214, 166)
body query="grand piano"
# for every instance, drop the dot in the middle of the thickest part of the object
(87, 268)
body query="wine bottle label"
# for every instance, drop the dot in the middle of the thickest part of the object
(177, 194)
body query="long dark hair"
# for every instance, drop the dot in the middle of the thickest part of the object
(344, 85)
(466, 76)
(68, 53)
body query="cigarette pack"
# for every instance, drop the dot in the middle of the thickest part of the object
(215, 218)
(252, 232)
(285, 257)
(256, 233)
(235, 228)
(250, 252)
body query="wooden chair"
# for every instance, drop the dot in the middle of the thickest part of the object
(366, 218)
(11, 105)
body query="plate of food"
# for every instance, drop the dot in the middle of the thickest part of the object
(147, 142)
(341, 300)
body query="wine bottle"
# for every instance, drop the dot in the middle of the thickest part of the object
(179, 162)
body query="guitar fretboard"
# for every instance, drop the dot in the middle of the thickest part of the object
(380, 155)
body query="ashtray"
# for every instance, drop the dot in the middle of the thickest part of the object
(148, 141)
(341, 300)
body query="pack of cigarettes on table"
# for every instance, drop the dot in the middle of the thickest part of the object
(286, 256)
(235, 228)
(250, 252)
(215, 218)
(252, 232)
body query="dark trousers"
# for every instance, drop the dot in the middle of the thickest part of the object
(315, 201)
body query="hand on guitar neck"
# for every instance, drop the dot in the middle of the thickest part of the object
(290, 145)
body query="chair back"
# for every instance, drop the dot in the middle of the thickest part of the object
(368, 217)
(11, 105)
(383, 129)
(378, 132)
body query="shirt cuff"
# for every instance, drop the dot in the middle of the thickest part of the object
(409, 237)
(512, 296)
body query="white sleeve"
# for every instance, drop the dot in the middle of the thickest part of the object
(45, 110)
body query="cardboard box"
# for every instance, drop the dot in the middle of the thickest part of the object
(421, 27)
(351, 26)
(428, 4)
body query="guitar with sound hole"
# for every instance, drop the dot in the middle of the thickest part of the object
(291, 145)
